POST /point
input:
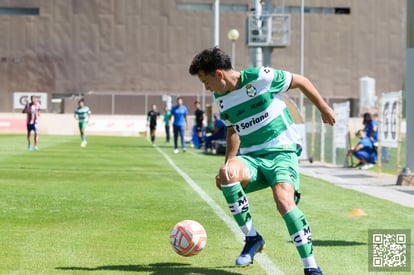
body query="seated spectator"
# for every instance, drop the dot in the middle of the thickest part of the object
(219, 132)
(363, 151)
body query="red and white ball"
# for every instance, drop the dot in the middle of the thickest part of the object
(188, 238)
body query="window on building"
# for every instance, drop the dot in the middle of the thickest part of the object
(342, 11)
(317, 10)
(209, 7)
(19, 11)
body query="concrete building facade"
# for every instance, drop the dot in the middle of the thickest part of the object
(139, 50)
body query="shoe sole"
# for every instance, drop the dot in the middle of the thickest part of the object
(258, 251)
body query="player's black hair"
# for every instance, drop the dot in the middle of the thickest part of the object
(367, 118)
(81, 100)
(209, 60)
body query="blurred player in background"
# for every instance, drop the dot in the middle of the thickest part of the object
(218, 132)
(179, 112)
(167, 115)
(82, 114)
(32, 110)
(152, 121)
(371, 127)
(364, 151)
(200, 119)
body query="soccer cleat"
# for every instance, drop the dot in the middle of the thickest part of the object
(366, 166)
(313, 271)
(358, 165)
(29, 147)
(253, 245)
(83, 144)
(36, 148)
(175, 151)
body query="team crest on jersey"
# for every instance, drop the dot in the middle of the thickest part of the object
(251, 90)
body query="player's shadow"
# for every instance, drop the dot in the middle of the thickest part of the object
(336, 243)
(154, 269)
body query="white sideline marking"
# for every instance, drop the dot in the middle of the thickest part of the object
(262, 259)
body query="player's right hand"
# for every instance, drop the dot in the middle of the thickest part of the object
(218, 182)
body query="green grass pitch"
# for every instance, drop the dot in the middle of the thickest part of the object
(109, 209)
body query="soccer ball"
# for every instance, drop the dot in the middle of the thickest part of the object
(188, 238)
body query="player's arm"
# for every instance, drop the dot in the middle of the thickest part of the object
(170, 118)
(232, 147)
(232, 143)
(307, 88)
(26, 108)
(374, 130)
(358, 147)
(204, 119)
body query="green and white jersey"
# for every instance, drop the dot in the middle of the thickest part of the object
(83, 113)
(258, 114)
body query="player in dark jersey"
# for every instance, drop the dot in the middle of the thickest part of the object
(199, 120)
(152, 121)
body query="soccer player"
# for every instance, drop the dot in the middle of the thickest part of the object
(262, 129)
(371, 127)
(179, 112)
(166, 119)
(364, 151)
(152, 121)
(200, 118)
(219, 132)
(32, 111)
(82, 113)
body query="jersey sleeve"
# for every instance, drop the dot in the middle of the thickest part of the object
(282, 80)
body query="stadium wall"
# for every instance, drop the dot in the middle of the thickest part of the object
(114, 125)
(73, 47)
(65, 124)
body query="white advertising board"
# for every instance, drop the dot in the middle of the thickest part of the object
(341, 127)
(20, 99)
(390, 120)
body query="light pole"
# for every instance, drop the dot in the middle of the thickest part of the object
(233, 35)
(302, 30)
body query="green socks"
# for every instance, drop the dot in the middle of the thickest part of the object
(295, 220)
(239, 207)
(300, 234)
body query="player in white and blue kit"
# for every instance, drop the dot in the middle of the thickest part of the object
(32, 111)
(262, 129)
